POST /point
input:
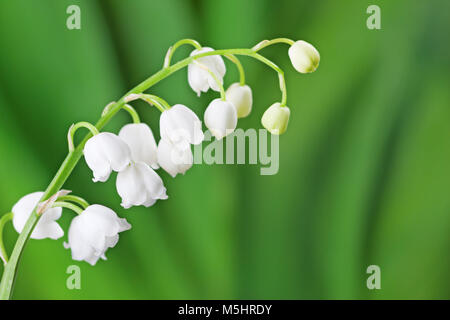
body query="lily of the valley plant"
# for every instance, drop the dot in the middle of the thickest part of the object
(135, 154)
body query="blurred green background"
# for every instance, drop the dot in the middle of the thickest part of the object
(364, 166)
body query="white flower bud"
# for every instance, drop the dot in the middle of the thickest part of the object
(174, 160)
(200, 79)
(304, 57)
(47, 227)
(275, 119)
(139, 185)
(106, 152)
(241, 97)
(93, 232)
(221, 118)
(181, 126)
(139, 138)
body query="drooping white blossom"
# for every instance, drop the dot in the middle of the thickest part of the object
(172, 159)
(304, 57)
(199, 78)
(93, 232)
(141, 142)
(276, 118)
(139, 185)
(220, 118)
(181, 126)
(47, 227)
(106, 152)
(241, 97)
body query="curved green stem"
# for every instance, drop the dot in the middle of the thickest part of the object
(266, 43)
(280, 75)
(3, 220)
(244, 52)
(216, 79)
(83, 203)
(75, 155)
(151, 99)
(238, 64)
(160, 103)
(67, 205)
(178, 44)
(74, 129)
(132, 112)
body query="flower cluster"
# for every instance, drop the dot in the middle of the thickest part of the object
(135, 155)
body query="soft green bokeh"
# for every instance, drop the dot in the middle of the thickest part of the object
(364, 166)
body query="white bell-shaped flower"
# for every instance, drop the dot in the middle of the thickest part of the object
(47, 227)
(139, 185)
(106, 152)
(304, 57)
(221, 118)
(241, 97)
(199, 78)
(181, 126)
(93, 232)
(141, 141)
(276, 118)
(172, 159)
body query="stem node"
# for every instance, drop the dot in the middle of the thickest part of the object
(73, 129)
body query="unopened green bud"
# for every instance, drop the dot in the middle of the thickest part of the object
(275, 119)
(304, 57)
